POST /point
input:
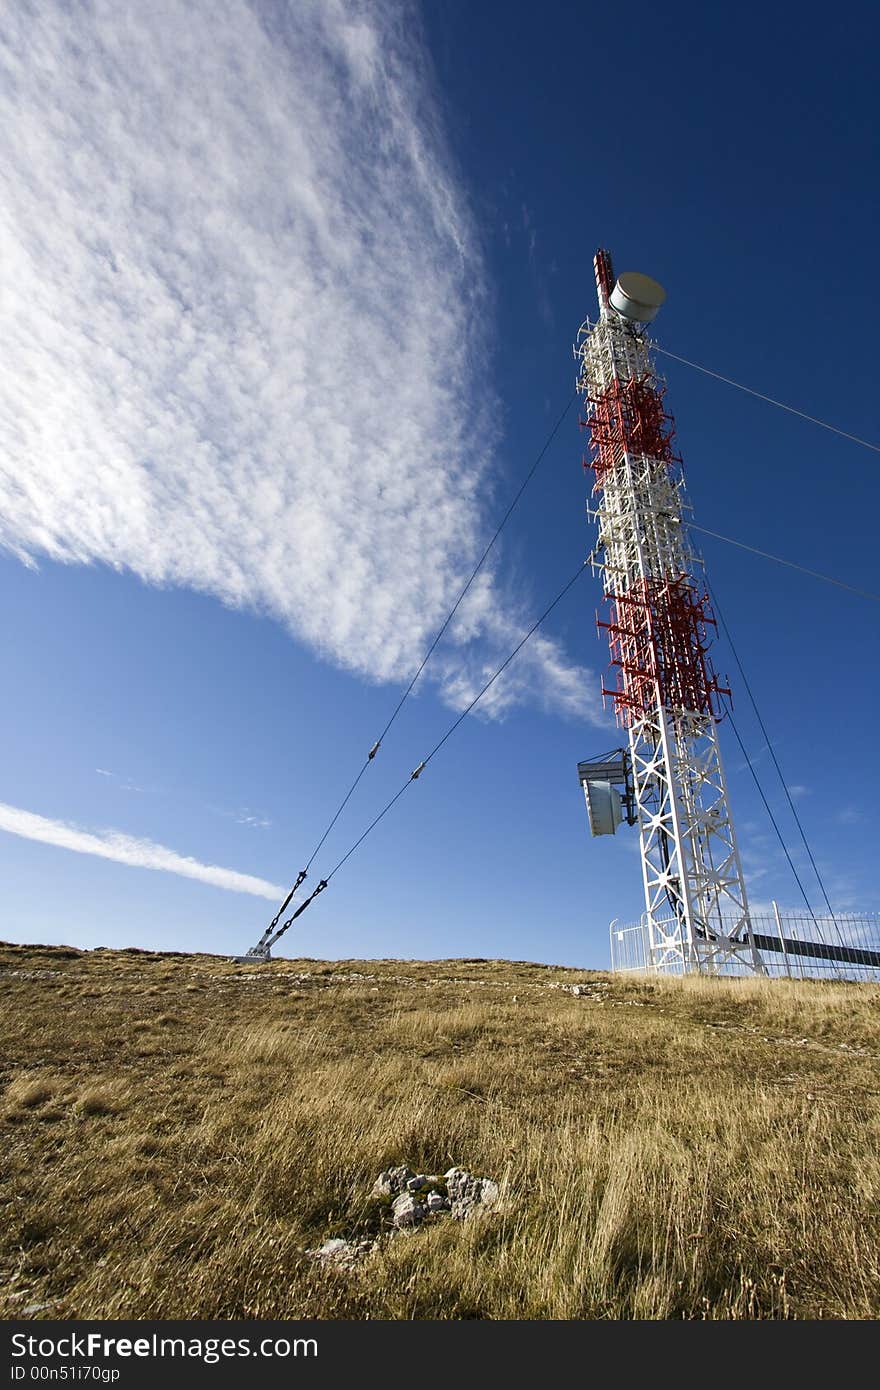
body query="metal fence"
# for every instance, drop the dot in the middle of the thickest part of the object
(792, 945)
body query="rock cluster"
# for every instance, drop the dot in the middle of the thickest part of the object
(415, 1196)
(595, 990)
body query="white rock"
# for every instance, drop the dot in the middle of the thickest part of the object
(457, 1180)
(460, 1184)
(399, 1177)
(383, 1186)
(407, 1211)
(489, 1193)
(332, 1249)
(341, 1252)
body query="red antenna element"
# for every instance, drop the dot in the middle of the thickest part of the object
(657, 635)
(629, 416)
(604, 276)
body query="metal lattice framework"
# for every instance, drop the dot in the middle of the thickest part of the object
(667, 695)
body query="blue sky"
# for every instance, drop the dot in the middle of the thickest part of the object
(289, 297)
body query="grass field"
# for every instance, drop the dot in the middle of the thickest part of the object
(177, 1131)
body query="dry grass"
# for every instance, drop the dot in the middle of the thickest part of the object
(178, 1131)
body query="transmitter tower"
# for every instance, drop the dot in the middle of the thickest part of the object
(669, 780)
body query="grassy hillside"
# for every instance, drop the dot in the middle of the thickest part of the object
(177, 1131)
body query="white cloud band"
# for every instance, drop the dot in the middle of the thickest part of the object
(125, 849)
(243, 315)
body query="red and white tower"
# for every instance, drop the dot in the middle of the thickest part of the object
(667, 695)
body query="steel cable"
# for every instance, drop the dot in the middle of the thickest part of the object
(780, 774)
(414, 776)
(430, 651)
(792, 410)
(461, 717)
(791, 564)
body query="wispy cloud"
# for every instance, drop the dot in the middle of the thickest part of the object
(752, 761)
(125, 849)
(124, 784)
(545, 307)
(252, 819)
(242, 309)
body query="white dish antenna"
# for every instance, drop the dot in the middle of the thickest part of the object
(637, 297)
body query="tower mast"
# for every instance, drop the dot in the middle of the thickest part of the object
(667, 695)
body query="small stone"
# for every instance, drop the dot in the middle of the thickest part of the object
(383, 1186)
(332, 1249)
(437, 1202)
(341, 1252)
(399, 1177)
(407, 1211)
(419, 1181)
(489, 1193)
(457, 1180)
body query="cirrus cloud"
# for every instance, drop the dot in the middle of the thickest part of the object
(242, 298)
(128, 849)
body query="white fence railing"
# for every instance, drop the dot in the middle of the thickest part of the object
(792, 945)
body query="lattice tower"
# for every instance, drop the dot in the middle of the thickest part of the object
(666, 695)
